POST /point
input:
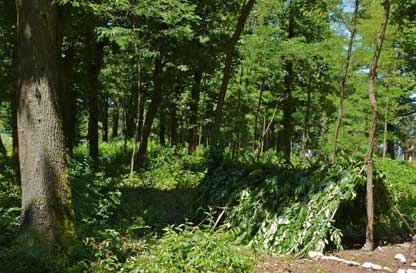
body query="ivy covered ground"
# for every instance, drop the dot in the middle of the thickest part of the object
(210, 212)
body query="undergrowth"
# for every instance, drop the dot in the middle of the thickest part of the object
(142, 223)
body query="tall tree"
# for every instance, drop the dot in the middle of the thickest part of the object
(95, 61)
(227, 68)
(46, 193)
(369, 244)
(151, 114)
(345, 79)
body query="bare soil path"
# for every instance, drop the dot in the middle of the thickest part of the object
(383, 256)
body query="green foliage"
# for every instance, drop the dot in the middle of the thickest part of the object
(400, 181)
(9, 204)
(170, 168)
(190, 248)
(281, 209)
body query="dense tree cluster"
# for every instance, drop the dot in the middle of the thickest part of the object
(292, 77)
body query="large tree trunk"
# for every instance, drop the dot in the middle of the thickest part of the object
(227, 69)
(95, 61)
(193, 119)
(151, 113)
(46, 193)
(344, 81)
(369, 244)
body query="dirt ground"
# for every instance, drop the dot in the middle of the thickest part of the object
(383, 256)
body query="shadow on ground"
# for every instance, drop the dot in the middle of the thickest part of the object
(153, 208)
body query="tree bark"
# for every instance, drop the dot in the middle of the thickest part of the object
(46, 193)
(151, 113)
(227, 69)
(96, 53)
(193, 119)
(369, 244)
(344, 81)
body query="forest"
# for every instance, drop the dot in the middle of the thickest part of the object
(207, 136)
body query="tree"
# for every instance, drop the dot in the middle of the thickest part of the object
(345, 79)
(46, 193)
(227, 68)
(369, 244)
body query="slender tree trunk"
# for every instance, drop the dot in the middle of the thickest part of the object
(115, 122)
(228, 69)
(105, 121)
(193, 119)
(287, 113)
(266, 129)
(305, 132)
(256, 118)
(15, 138)
(201, 128)
(162, 130)
(369, 244)
(173, 125)
(94, 66)
(3, 150)
(288, 104)
(139, 109)
(46, 193)
(385, 139)
(154, 105)
(70, 98)
(344, 81)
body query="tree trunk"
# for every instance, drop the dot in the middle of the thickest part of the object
(140, 112)
(305, 132)
(227, 69)
(287, 103)
(193, 119)
(46, 193)
(151, 113)
(174, 125)
(94, 66)
(70, 99)
(162, 130)
(287, 113)
(3, 150)
(115, 122)
(15, 138)
(105, 121)
(344, 81)
(256, 118)
(369, 244)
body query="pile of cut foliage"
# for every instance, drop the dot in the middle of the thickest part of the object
(289, 209)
